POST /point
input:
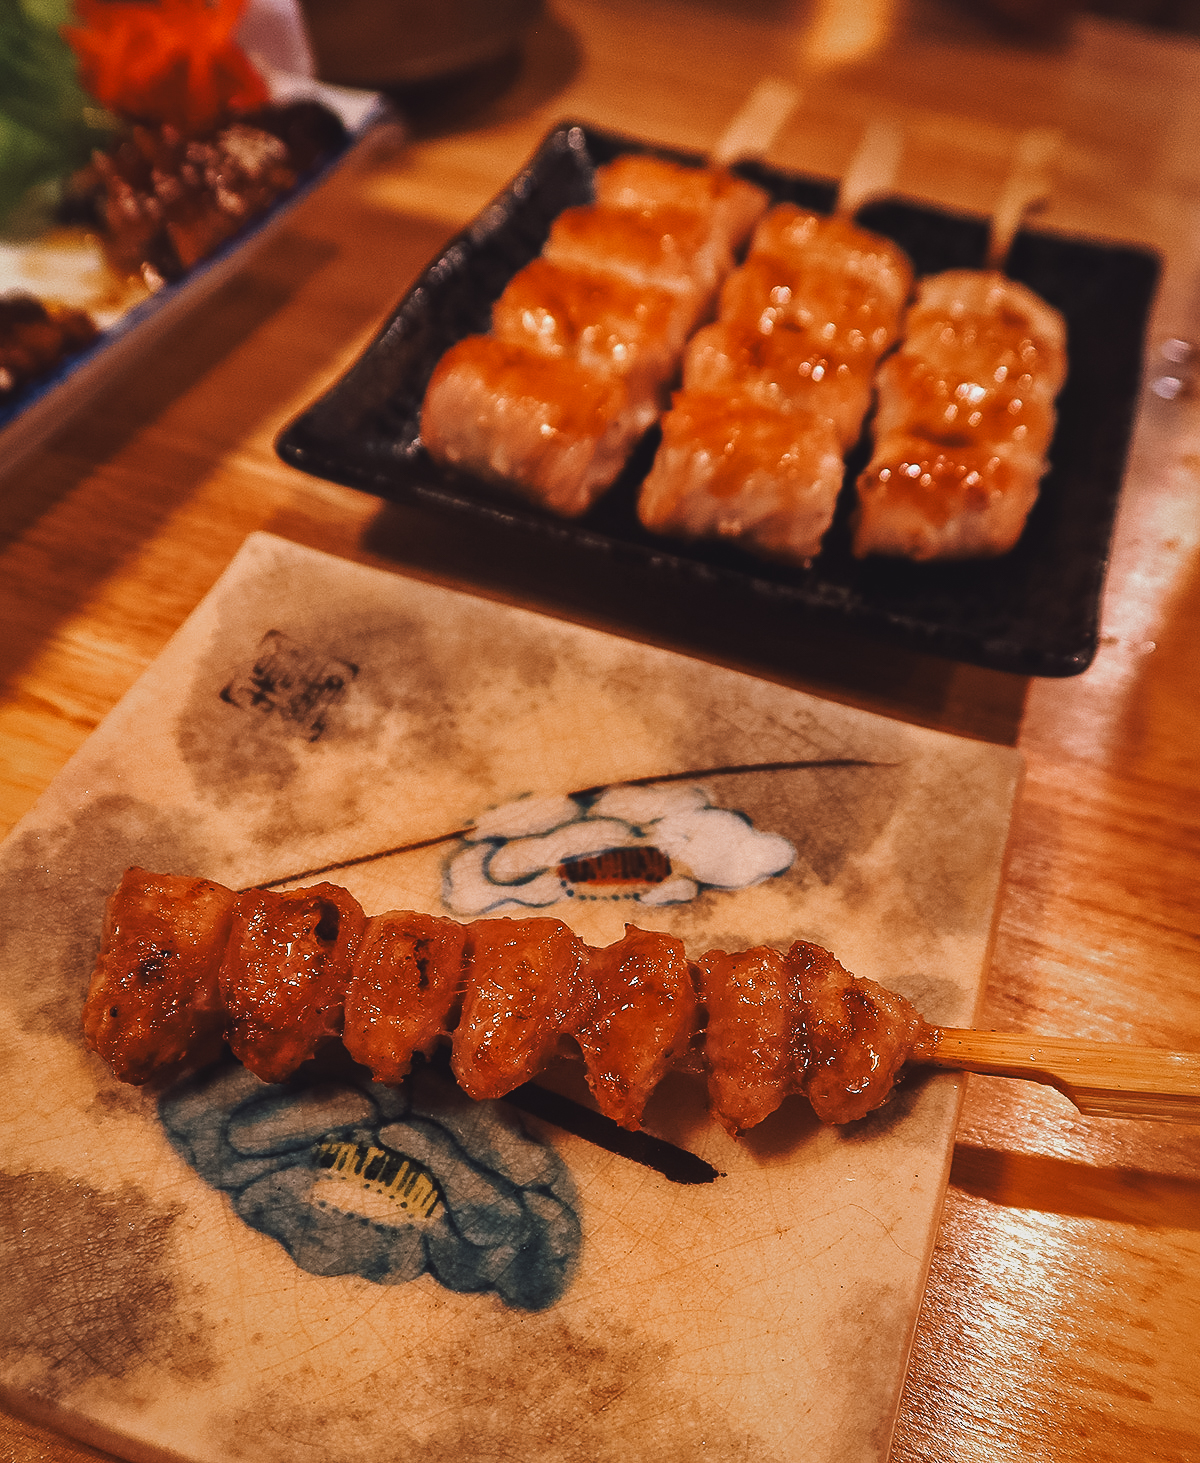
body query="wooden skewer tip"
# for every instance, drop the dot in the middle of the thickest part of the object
(758, 121)
(1102, 1079)
(873, 168)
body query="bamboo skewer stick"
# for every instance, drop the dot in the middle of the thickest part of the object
(872, 169)
(757, 123)
(1102, 1079)
(760, 119)
(1029, 184)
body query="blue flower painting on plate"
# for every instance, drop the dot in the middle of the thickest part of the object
(351, 1177)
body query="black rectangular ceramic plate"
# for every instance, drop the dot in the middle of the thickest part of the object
(1035, 611)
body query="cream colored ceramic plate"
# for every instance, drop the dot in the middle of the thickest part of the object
(339, 1273)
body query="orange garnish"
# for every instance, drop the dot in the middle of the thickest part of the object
(173, 61)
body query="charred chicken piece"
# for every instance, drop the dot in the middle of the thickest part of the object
(859, 1035)
(153, 1006)
(285, 973)
(641, 1019)
(525, 988)
(406, 990)
(754, 1041)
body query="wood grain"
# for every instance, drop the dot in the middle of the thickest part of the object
(1064, 1296)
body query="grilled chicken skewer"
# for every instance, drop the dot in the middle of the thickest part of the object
(966, 408)
(186, 965)
(775, 391)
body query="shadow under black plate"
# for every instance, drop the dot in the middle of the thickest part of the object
(1035, 611)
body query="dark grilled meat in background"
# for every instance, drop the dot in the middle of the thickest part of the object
(165, 201)
(35, 337)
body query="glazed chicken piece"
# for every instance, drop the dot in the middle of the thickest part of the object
(839, 288)
(754, 1042)
(780, 369)
(639, 181)
(822, 284)
(732, 467)
(154, 1006)
(859, 1035)
(924, 500)
(603, 322)
(829, 312)
(658, 225)
(405, 991)
(992, 329)
(662, 248)
(948, 406)
(551, 428)
(641, 1017)
(829, 247)
(525, 986)
(965, 418)
(284, 975)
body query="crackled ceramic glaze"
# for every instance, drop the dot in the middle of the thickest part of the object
(326, 1272)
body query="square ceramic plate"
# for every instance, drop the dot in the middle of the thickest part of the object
(1035, 611)
(38, 410)
(328, 1269)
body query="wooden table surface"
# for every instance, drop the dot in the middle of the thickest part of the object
(1063, 1305)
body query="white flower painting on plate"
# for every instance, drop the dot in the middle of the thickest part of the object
(650, 845)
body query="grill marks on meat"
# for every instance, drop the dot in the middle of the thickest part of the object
(859, 1035)
(641, 1016)
(798, 1022)
(185, 963)
(155, 1004)
(406, 990)
(525, 987)
(285, 973)
(754, 1041)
